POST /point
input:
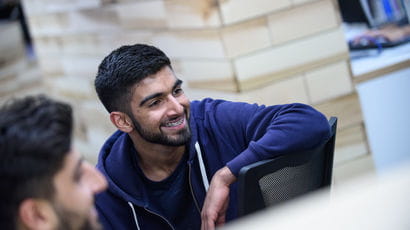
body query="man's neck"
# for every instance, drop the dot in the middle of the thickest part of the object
(155, 160)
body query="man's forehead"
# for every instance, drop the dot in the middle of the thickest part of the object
(158, 83)
(164, 75)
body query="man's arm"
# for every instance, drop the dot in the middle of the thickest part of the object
(217, 199)
(266, 132)
(277, 130)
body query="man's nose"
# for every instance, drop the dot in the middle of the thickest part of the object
(96, 181)
(174, 106)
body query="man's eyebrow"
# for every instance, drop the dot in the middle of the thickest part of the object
(147, 98)
(177, 83)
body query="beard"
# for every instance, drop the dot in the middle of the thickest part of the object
(67, 220)
(182, 137)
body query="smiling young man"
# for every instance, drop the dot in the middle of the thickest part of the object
(172, 163)
(45, 184)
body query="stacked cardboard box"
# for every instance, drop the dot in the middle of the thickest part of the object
(18, 74)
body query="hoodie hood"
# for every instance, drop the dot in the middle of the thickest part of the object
(118, 163)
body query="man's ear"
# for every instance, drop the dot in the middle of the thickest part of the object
(122, 121)
(36, 214)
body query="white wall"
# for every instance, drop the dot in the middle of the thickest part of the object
(386, 109)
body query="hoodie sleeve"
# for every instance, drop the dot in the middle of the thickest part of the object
(269, 131)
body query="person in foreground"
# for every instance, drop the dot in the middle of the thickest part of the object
(45, 184)
(172, 163)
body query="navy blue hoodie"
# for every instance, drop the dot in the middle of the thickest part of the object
(232, 134)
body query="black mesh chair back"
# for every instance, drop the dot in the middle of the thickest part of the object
(270, 182)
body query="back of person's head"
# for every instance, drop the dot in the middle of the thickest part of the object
(122, 69)
(35, 136)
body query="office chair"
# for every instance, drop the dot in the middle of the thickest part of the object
(270, 182)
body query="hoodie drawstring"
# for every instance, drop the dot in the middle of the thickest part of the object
(203, 174)
(202, 166)
(134, 214)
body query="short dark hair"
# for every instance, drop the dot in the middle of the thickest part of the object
(122, 69)
(35, 137)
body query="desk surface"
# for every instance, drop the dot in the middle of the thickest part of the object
(377, 202)
(389, 60)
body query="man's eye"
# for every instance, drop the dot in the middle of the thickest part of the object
(154, 103)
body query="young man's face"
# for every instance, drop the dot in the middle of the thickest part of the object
(75, 186)
(160, 109)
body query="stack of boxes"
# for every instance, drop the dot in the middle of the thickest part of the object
(264, 51)
(18, 74)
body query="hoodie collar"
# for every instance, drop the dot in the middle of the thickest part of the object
(116, 161)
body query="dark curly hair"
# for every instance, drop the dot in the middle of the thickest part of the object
(122, 69)
(35, 136)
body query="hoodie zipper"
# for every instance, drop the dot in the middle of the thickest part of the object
(193, 196)
(156, 214)
(160, 216)
(192, 190)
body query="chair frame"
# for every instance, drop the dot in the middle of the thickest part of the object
(249, 192)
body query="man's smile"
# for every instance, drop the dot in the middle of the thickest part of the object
(175, 123)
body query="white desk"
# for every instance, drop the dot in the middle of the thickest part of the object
(369, 202)
(389, 60)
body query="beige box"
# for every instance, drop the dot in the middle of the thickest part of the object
(102, 20)
(190, 44)
(20, 71)
(289, 59)
(240, 10)
(45, 46)
(52, 6)
(94, 115)
(346, 108)
(12, 46)
(302, 21)
(50, 65)
(329, 82)
(246, 37)
(80, 66)
(81, 44)
(142, 14)
(48, 24)
(289, 90)
(96, 44)
(350, 144)
(208, 74)
(10, 72)
(192, 14)
(75, 88)
(109, 42)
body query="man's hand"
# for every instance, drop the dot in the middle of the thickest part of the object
(217, 199)
(392, 33)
